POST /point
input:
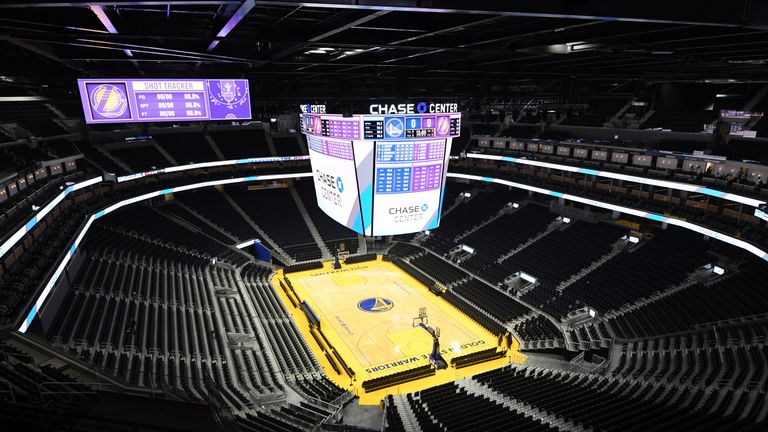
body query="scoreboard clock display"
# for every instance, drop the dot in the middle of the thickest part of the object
(390, 178)
(382, 127)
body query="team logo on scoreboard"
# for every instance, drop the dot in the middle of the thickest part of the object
(317, 125)
(443, 126)
(230, 98)
(394, 127)
(375, 304)
(109, 101)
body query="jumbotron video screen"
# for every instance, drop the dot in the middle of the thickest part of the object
(382, 173)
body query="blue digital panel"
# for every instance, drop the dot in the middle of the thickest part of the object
(393, 180)
(395, 152)
(413, 123)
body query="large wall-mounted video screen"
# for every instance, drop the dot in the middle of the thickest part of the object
(120, 100)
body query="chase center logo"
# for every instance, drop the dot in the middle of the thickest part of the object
(408, 213)
(375, 304)
(339, 185)
(331, 187)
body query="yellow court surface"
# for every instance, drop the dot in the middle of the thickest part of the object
(366, 313)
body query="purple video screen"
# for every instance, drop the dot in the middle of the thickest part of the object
(119, 100)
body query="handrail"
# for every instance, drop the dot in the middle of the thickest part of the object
(616, 176)
(336, 414)
(30, 224)
(212, 164)
(8, 245)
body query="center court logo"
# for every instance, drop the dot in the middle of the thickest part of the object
(375, 304)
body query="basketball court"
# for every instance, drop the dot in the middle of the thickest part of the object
(367, 314)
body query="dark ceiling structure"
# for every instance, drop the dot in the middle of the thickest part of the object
(400, 48)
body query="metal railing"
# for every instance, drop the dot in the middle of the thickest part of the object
(7, 389)
(69, 389)
(338, 405)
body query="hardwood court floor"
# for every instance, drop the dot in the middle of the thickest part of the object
(366, 311)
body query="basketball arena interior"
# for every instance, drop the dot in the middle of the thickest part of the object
(383, 215)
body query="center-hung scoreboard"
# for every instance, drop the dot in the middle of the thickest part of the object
(382, 173)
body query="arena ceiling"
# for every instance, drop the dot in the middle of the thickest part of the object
(364, 48)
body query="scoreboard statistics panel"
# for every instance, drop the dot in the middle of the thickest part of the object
(155, 100)
(408, 185)
(398, 165)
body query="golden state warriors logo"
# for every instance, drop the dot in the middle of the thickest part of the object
(375, 304)
(394, 127)
(109, 101)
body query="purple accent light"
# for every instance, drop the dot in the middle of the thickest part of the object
(107, 23)
(234, 20)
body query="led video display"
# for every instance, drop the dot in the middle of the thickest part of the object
(154, 100)
(334, 174)
(381, 174)
(409, 178)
